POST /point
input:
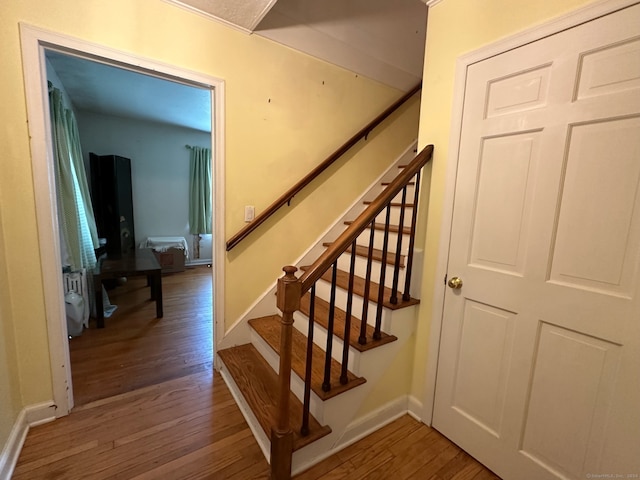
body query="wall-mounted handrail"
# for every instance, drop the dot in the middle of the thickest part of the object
(293, 191)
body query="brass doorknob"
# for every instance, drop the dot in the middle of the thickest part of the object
(455, 283)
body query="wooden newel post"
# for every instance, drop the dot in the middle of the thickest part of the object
(288, 301)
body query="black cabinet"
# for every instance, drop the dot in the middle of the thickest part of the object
(112, 199)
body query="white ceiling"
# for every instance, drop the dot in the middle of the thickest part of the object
(245, 14)
(96, 87)
(379, 39)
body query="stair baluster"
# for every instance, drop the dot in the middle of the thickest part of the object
(347, 321)
(326, 384)
(407, 281)
(362, 340)
(383, 271)
(396, 267)
(304, 430)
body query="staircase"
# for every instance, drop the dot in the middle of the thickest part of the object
(341, 324)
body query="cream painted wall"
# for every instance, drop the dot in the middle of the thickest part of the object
(262, 256)
(394, 383)
(284, 113)
(10, 401)
(456, 27)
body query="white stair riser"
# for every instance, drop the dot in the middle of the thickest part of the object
(410, 195)
(301, 323)
(360, 269)
(378, 241)
(316, 406)
(394, 216)
(323, 290)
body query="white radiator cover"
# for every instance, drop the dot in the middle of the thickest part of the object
(77, 282)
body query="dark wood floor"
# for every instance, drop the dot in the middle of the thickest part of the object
(162, 413)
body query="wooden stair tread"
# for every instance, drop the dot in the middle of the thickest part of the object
(342, 280)
(322, 318)
(259, 385)
(269, 329)
(392, 228)
(363, 251)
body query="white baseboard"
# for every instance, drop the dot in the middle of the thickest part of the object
(359, 429)
(28, 417)
(373, 421)
(415, 408)
(40, 413)
(11, 450)
(198, 261)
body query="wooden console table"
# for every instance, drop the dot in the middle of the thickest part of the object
(138, 262)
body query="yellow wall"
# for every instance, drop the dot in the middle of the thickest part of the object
(456, 27)
(255, 264)
(394, 383)
(285, 112)
(9, 392)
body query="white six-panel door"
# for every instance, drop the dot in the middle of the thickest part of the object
(539, 365)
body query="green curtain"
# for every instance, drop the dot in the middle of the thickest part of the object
(75, 213)
(200, 191)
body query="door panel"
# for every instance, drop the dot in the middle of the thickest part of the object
(610, 70)
(570, 392)
(501, 227)
(597, 239)
(518, 92)
(539, 364)
(480, 377)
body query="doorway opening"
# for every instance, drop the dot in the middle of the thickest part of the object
(113, 132)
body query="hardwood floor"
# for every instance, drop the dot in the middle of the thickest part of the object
(189, 427)
(402, 450)
(135, 349)
(162, 413)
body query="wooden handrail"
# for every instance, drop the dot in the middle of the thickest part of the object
(347, 237)
(293, 191)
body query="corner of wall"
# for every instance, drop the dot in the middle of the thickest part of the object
(11, 450)
(28, 417)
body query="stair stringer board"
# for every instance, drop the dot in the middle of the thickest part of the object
(258, 433)
(239, 332)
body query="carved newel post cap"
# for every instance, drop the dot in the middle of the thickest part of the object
(289, 289)
(289, 271)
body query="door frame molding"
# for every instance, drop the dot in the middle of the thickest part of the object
(34, 41)
(551, 27)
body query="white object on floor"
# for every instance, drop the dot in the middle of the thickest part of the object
(74, 307)
(77, 282)
(162, 244)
